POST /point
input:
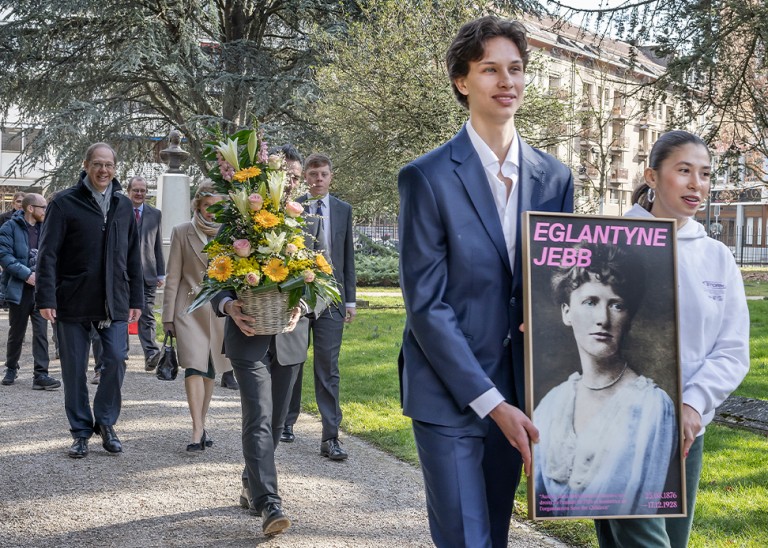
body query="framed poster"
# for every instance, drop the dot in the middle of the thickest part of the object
(602, 366)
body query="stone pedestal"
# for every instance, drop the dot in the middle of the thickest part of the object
(173, 200)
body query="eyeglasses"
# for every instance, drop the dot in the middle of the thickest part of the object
(43, 207)
(99, 165)
(139, 190)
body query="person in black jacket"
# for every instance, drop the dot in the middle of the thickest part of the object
(89, 275)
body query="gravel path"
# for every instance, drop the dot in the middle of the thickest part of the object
(157, 494)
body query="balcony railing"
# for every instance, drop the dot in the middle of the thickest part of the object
(620, 174)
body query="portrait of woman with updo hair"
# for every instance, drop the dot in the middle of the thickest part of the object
(601, 426)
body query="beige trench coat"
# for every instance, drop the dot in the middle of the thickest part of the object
(201, 331)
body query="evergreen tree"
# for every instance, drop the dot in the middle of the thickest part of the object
(126, 71)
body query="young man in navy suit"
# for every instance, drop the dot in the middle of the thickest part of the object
(461, 362)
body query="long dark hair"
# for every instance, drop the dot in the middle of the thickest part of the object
(664, 146)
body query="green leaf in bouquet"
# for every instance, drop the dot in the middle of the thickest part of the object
(204, 297)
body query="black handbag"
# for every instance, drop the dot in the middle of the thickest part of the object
(168, 366)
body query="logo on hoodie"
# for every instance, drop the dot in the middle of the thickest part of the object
(714, 290)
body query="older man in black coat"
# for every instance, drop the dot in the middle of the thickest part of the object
(89, 275)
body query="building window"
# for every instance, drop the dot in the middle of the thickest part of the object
(11, 141)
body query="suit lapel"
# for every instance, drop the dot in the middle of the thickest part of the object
(531, 177)
(530, 187)
(472, 175)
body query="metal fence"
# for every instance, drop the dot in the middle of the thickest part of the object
(748, 247)
(380, 235)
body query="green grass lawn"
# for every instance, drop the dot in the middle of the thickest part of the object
(733, 499)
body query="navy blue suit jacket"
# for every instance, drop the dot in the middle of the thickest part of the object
(463, 299)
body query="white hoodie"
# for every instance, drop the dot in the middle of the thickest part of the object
(714, 319)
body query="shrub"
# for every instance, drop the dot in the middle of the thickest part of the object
(373, 270)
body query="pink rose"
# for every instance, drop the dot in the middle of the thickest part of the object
(252, 278)
(255, 201)
(242, 248)
(290, 249)
(293, 209)
(309, 276)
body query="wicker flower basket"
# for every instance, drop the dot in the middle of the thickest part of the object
(268, 308)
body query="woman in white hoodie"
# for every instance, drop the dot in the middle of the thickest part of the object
(714, 321)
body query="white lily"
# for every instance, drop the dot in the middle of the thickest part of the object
(276, 182)
(253, 142)
(240, 199)
(228, 150)
(275, 242)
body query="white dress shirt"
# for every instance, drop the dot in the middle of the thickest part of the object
(506, 207)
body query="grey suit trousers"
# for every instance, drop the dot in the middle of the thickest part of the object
(281, 381)
(147, 323)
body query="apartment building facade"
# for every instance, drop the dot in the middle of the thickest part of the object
(611, 126)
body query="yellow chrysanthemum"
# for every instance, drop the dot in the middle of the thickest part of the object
(243, 266)
(275, 270)
(265, 219)
(298, 241)
(322, 264)
(214, 248)
(247, 173)
(300, 265)
(220, 268)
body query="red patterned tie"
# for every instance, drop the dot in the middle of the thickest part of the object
(136, 214)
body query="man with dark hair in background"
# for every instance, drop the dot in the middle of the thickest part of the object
(327, 325)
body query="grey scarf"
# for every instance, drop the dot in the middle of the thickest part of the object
(102, 199)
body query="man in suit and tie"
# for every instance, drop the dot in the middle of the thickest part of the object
(461, 362)
(148, 220)
(327, 326)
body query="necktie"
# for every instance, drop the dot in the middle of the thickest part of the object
(136, 214)
(325, 239)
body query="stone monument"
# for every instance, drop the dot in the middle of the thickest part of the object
(173, 189)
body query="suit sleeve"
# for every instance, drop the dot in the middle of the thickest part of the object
(49, 247)
(350, 278)
(133, 262)
(159, 259)
(173, 276)
(216, 301)
(424, 277)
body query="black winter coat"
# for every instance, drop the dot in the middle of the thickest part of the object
(88, 265)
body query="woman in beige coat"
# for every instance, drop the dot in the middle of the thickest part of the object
(199, 334)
